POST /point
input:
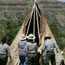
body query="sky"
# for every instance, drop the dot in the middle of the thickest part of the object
(62, 0)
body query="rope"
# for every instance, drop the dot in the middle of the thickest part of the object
(29, 23)
(38, 12)
(34, 21)
(37, 22)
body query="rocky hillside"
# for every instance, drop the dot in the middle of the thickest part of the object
(54, 11)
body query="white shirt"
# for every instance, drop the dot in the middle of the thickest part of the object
(22, 44)
(31, 47)
(4, 48)
(49, 45)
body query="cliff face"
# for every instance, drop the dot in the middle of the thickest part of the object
(54, 11)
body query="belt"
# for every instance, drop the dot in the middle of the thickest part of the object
(32, 53)
(22, 50)
(49, 51)
(3, 54)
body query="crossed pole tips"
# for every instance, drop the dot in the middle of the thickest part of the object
(34, 1)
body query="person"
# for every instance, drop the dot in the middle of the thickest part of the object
(4, 51)
(31, 49)
(22, 54)
(49, 46)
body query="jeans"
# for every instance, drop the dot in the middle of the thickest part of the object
(22, 57)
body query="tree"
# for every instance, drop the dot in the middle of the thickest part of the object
(11, 27)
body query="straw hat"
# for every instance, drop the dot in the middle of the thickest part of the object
(47, 36)
(31, 36)
(23, 37)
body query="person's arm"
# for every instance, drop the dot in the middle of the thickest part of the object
(8, 52)
(56, 50)
(43, 48)
(26, 52)
(42, 51)
(9, 55)
(36, 48)
(56, 47)
(26, 49)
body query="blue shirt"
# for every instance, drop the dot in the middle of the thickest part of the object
(22, 44)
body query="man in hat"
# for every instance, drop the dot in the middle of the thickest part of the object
(49, 46)
(22, 54)
(31, 49)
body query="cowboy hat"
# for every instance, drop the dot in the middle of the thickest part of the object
(23, 37)
(31, 36)
(47, 36)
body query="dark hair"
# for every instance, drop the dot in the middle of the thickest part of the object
(3, 40)
(30, 40)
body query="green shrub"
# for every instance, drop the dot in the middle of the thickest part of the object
(58, 34)
(11, 28)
